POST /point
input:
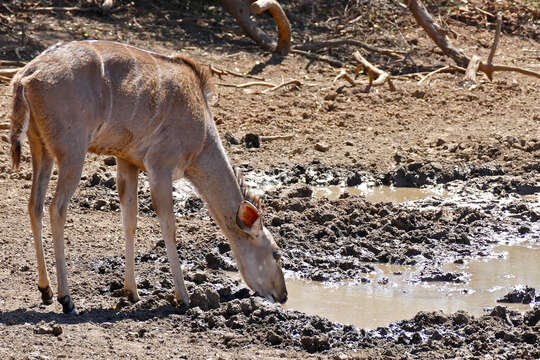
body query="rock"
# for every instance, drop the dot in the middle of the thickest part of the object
(100, 204)
(532, 317)
(273, 338)
(520, 295)
(198, 298)
(110, 183)
(109, 161)
(303, 191)
(212, 297)
(57, 330)
(530, 338)
(252, 141)
(315, 343)
(322, 147)
(460, 318)
(95, 179)
(229, 137)
(199, 278)
(440, 142)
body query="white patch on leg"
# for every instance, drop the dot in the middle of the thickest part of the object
(26, 121)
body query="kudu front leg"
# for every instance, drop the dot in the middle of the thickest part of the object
(69, 175)
(127, 175)
(161, 191)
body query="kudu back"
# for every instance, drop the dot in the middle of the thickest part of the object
(152, 112)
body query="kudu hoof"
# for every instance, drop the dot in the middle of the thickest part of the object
(133, 298)
(46, 295)
(67, 305)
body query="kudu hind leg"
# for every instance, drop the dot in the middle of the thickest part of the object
(42, 163)
(161, 191)
(69, 175)
(126, 180)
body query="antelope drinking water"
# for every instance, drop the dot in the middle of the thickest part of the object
(152, 112)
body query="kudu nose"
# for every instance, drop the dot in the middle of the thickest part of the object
(283, 298)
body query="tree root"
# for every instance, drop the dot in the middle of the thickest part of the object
(473, 65)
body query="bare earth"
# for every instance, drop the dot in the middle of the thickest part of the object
(484, 139)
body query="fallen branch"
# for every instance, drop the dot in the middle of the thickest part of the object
(382, 76)
(283, 84)
(448, 68)
(9, 72)
(276, 137)
(316, 45)
(271, 86)
(309, 55)
(343, 75)
(220, 72)
(70, 9)
(11, 63)
(249, 84)
(424, 19)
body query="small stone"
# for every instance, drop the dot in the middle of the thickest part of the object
(252, 141)
(229, 137)
(274, 338)
(322, 147)
(109, 161)
(213, 298)
(57, 330)
(199, 278)
(198, 298)
(440, 142)
(100, 204)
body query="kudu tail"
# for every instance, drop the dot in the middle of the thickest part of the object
(20, 118)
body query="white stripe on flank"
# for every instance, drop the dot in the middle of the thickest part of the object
(107, 79)
(135, 81)
(158, 102)
(26, 121)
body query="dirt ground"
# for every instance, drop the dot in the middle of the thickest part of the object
(472, 141)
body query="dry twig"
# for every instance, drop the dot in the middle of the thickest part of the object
(316, 45)
(283, 84)
(276, 137)
(249, 84)
(309, 55)
(382, 76)
(448, 68)
(220, 72)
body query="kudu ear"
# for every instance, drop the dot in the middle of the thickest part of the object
(248, 218)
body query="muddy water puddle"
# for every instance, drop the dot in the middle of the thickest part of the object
(374, 304)
(377, 194)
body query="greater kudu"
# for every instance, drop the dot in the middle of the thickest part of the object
(152, 112)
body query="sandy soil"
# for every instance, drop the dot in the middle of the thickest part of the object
(484, 140)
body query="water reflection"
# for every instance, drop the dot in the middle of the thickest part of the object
(372, 305)
(377, 194)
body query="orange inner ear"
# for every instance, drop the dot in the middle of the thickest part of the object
(248, 215)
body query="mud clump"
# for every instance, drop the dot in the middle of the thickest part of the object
(521, 295)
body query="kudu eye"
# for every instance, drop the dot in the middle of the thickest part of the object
(276, 254)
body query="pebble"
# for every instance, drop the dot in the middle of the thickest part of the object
(322, 147)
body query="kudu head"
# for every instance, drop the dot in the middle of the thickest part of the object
(258, 256)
